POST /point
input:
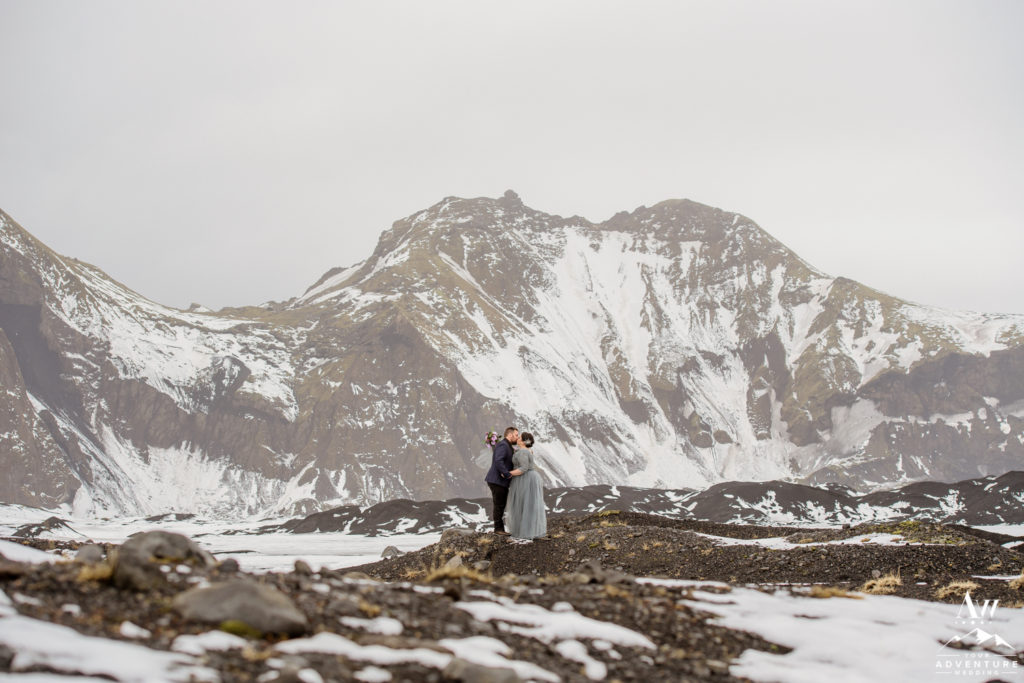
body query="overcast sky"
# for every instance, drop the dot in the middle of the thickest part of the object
(229, 153)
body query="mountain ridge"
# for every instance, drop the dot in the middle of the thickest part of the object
(674, 344)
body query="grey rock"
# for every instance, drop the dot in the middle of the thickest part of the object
(451, 534)
(302, 567)
(482, 565)
(228, 566)
(90, 554)
(717, 666)
(142, 560)
(286, 675)
(593, 572)
(6, 657)
(454, 562)
(467, 672)
(391, 551)
(260, 607)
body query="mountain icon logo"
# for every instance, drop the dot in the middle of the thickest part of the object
(982, 639)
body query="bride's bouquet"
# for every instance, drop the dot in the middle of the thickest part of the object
(492, 439)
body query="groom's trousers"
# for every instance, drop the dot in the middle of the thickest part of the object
(499, 494)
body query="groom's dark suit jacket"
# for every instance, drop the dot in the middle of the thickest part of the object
(501, 464)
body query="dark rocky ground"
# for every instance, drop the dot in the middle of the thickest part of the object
(648, 545)
(985, 501)
(588, 561)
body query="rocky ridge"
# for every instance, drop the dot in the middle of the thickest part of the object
(674, 345)
(985, 501)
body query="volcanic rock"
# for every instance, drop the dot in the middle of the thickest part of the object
(144, 561)
(260, 607)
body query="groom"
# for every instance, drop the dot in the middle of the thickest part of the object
(499, 476)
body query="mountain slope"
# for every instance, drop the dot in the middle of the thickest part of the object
(674, 346)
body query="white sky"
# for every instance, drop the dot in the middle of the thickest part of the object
(230, 152)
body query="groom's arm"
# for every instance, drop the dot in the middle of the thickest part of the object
(501, 460)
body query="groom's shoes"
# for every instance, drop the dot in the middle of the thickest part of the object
(502, 533)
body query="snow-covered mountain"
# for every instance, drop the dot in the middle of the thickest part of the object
(676, 346)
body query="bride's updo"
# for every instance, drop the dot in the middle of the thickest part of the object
(527, 438)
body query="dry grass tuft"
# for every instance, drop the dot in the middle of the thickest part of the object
(613, 591)
(484, 540)
(369, 609)
(1018, 583)
(955, 588)
(101, 571)
(883, 585)
(581, 538)
(460, 572)
(831, 592)
(606, 513)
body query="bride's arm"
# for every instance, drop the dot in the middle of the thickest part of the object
(521, 464)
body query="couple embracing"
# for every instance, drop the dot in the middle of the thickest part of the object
(516, 485)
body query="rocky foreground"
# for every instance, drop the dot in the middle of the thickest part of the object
(605, 596)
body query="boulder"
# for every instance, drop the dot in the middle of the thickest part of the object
(468, 672)
(261, 608)
(591, 571)
(90, 554)
(145, 560)
(228, 566)
(454, 533)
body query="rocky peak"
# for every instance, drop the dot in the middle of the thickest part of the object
(510, 200)
(673, 345)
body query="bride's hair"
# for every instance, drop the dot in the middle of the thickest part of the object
(527, 438)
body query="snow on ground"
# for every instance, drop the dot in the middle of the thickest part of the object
(780, 542)
(1008, 529)
(872, 638)
(13, 516)
(44, 645)
(865, 638)
(19, 553)
(255, 552)
(278, 552)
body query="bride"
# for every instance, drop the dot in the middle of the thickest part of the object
(527, 515)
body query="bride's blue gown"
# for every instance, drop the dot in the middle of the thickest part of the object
(527, 516)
